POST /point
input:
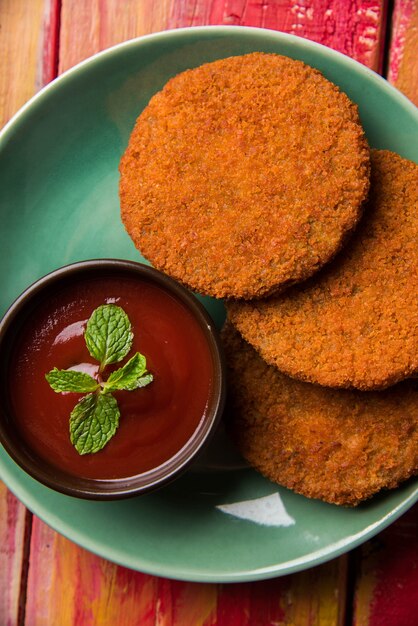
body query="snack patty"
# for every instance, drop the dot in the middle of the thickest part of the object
(244, 175)
(338, 445)
(355, 324)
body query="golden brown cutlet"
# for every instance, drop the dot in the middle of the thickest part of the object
(338, 445)
(244, 175)
(354, 324)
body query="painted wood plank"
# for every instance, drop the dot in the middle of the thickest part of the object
(354, 28)
(403, 57)
(68, 585)
(12, 550)
(315, 597)
(387, 586)
(28, 48)
(104, 23)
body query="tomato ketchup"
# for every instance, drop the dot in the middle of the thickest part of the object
(155, 421)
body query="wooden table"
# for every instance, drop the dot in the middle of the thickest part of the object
(45, 580)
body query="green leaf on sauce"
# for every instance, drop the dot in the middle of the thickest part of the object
(129, 377)
(93, 421)
(142, 382)
(95, 418)
(69, 380)
(108, 334)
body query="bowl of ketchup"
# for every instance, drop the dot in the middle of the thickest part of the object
(162, 426)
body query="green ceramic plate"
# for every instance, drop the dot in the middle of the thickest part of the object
(59, 203)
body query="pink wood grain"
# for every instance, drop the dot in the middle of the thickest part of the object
(92, 25)
(12, 550)
(353, 27)
(387, 585)
(49, 49)
(403, 59)
(28, 48)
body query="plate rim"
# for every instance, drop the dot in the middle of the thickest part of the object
(63, 527)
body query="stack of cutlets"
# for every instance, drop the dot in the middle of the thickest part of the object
(250, 179)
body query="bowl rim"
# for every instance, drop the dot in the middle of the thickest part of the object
(111, 489)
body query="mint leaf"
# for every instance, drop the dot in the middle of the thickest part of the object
(108, 334)
(127, 376)
(93, 421)
(141, 382)
(69, 380)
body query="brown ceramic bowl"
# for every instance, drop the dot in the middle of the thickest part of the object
(20, 314)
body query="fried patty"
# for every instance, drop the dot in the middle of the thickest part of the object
(244, 175)
(338, 445)
(355, 324)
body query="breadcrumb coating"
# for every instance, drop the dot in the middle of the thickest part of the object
(244, 175)
(355, 324)
(341, 446)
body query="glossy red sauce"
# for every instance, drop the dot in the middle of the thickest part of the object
(156, 421)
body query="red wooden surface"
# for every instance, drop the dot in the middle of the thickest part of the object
(12, 555)
(47, 580)
(387, 580)
(353, 27)
(403, 59)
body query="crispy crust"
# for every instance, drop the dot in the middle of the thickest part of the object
(340, 446)
(244, 175)
(355, 324)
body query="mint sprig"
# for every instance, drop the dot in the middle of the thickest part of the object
(95, 418)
